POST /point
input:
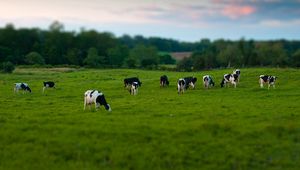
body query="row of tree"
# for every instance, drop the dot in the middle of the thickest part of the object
(102, 49)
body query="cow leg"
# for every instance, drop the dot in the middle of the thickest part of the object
(44, 89)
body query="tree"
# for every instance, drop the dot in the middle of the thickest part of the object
(72, 56)
(34, 58)
(8, 67)
(296, 59)
(166, 59)
(229, 56)
(146, 56)
(93, 59)
(186, 64)
(56, 26)
(117, 55)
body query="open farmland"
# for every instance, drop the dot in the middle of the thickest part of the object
(242, 128)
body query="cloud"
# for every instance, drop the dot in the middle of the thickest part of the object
(235, 11)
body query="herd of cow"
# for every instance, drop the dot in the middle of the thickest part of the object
(133, 83)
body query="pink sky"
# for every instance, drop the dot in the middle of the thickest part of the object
(188, 20)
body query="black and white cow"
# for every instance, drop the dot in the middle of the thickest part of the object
(48, 84)
(208, 81)
(97, 98)
(229, 78)
(129, 81)
(22, 86)
(164, 81)
(237, 72)
(181, 86)
(134, 88)
(190, 81)
(265, 79)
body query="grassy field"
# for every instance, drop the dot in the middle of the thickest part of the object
(242, 128)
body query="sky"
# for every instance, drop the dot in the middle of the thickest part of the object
(183, 20)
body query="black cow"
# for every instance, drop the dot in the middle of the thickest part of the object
(270, 80)
(164, 81)
(129, 81)
(190, 81)
(208, 81)
(48, 84)
(181, 86)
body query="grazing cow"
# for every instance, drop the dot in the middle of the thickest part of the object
(48, 84)
(208, 81)
(164, 81)
(97, 98)
(190, 81)
(22, 86)
(129, 81)
(237, 72)
(181, 86)
(229, 78)
(270, 80)
(134, 88)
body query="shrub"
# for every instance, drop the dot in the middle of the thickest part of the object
(34, 58)
(8, 67)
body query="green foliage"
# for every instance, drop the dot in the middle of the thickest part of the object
(186, 64)
(146, 56)
(118, 55)
(59, 47)
(7, 67)
(296, 59)
(218, 128)
(166, 59)
(93, 59)
(34, 58)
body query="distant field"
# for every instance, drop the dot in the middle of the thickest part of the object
(242, 128)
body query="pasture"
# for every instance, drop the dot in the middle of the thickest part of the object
(220, 128)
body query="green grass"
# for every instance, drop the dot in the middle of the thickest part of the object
(242, 128)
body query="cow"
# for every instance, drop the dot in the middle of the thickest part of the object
(164, 81)
(134, 88)
(237, 72)
(129, 81)
(229, 78)
(190, 81)
(181, 86)
(270, 80)
(208, 81)
(48, 84)
(22, 86)
(97, 98)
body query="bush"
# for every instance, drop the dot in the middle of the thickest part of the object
(34, 58)
(8, 67)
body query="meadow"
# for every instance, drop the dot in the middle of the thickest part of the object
(220, 128)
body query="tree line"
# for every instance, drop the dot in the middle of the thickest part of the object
(56, 46)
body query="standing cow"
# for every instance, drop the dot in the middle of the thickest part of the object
(97, 98)
(22, 86)
(265, 79)
(229, 78)
(48, 84)
(164, 81)
(208, 81)
(238, 73)
(181, 86)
